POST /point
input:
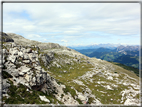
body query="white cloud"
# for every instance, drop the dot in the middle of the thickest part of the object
(70, 32)
(71, 20)
(34, 37)
(64, 40)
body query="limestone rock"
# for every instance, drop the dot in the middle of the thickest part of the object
(4, 51)
(12, 58)
(46, 59)
(26, 61)
(15, 52)
(13, 45)
(43, 98)
(5, 84)
(15, 73)
(20, 54)
(38, 68)
(29, 50)
(23, 70)
(32, 56)
(26, 57)
(82, 97)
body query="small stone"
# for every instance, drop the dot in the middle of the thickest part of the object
(26, 56)
(43, 98)
(13, 45)
(26, 61)
(36, 52)
(20, 54)
(81, 97)
(29, 50)
(65, 71)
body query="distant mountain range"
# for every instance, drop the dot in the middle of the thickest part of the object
(128, 55)
(95, 46)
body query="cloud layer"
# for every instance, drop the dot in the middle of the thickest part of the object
(73, 23)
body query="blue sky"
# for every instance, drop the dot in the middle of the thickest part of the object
(74, 23)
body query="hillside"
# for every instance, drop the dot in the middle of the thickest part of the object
(47, 73)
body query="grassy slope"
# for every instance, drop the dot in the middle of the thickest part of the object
(66, 78)
(135, 70)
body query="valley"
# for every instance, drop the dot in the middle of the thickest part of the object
(128, 55)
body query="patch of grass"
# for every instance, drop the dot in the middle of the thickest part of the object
(4, 67)
(77, 70)
(6, 75)
(90, 99)
(18, 65)
(62, 95)
(71, 91)
(79, 101)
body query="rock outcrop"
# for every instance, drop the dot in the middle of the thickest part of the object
(5, 38)
(24, 66)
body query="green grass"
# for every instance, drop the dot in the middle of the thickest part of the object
(6, 75)
(135, 70)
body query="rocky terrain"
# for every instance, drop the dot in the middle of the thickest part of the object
(47, 73)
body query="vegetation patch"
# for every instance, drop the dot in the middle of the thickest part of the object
(6, 75)
(42, 64)
(90, 100)
(135, 70)
(71, 91)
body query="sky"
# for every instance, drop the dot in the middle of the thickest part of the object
(70, 24)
